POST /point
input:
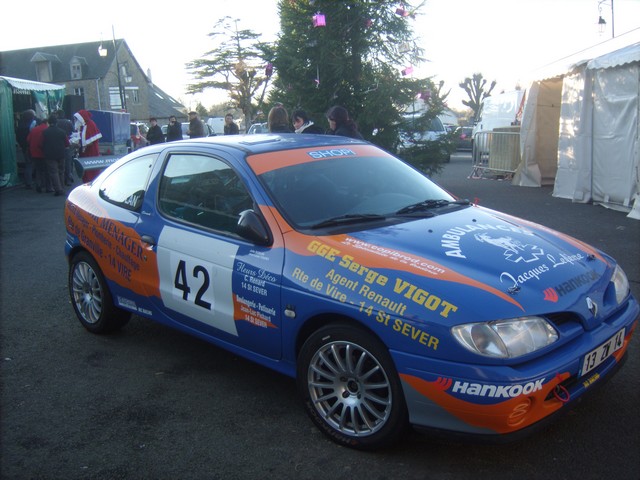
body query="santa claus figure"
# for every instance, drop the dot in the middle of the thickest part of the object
(89, 136)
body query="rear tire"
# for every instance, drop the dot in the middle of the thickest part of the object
(350, 388)
(91, 298)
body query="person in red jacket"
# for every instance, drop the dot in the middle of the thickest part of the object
(89, 134)
(89, 140)
(35, 141)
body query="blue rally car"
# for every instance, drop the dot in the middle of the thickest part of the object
(391, 302)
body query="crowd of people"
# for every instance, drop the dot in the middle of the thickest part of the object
(48, 145)
(340, 123)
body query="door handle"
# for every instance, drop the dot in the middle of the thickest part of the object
(148, 239)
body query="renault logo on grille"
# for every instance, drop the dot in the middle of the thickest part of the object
(592, 306)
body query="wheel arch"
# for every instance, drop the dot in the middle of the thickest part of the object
(76, 250)
(318, 321)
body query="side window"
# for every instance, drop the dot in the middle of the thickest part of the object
(203, 191)
(125, 186)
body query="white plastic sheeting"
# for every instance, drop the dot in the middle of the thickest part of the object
(573, 179)
(598, 142)
(580, 132)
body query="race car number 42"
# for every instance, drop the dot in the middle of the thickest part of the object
(604, 351)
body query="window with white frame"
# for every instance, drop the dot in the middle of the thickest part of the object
(43, 71)
(133, 95)
(115, 102)
(76, 71)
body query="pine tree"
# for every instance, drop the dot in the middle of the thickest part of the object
(358, 60)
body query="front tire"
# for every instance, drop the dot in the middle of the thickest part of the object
(350, 388)
(91, 298)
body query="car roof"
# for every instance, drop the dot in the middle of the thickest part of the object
(268, 142)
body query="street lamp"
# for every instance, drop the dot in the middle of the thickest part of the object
(601, 21)
(103, 52)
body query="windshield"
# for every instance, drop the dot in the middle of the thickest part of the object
(354, 187)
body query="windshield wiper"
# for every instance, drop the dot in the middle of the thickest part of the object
(429, 204)
(347, 219)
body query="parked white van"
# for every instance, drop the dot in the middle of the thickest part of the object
(497, 111)
(502, 110)
(216, 124)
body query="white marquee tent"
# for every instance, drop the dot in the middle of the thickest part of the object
(581, 131)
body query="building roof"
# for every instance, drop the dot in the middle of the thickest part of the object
(20, 64)
(163, 105)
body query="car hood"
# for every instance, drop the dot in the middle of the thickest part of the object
(474, 262)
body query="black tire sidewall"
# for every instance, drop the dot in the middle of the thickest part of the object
(398, 420)
(111, 317)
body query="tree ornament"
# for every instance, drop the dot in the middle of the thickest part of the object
(401, 11)
(319, 20)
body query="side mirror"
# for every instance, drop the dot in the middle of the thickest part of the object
(251, 227)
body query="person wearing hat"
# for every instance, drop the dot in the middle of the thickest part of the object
(89, 140)
(154, 135)
(196, 127)
(89, 134)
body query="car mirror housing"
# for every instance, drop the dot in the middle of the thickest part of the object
(251, 227)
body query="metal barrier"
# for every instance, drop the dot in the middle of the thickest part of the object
(495, 154)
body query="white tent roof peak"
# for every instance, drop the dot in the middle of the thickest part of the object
(628, 54)
(569, 63)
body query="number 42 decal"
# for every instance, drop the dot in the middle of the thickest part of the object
(200, 275)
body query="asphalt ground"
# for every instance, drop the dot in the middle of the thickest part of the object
(151, 403)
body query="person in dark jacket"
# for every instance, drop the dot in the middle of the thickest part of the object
(278, 120)
(341, 124)
(25, 124)
(174, 130)
(230, 127)
(196, 127)
(54, 143)
(154, 135)
(67, 126)
(303, 124)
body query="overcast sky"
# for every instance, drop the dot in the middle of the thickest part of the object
(505, 40)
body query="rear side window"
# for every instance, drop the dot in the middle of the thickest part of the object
(126, 186)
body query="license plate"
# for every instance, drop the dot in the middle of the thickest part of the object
(604, 351)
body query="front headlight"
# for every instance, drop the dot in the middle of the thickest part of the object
(621, 284)
(506, 338)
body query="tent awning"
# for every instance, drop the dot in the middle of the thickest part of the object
(30, 85)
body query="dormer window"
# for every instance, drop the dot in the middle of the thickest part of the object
(76, 71)
(43, 63)
(43, 71)
(75, 66)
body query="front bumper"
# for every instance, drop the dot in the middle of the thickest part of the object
(494, 400)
